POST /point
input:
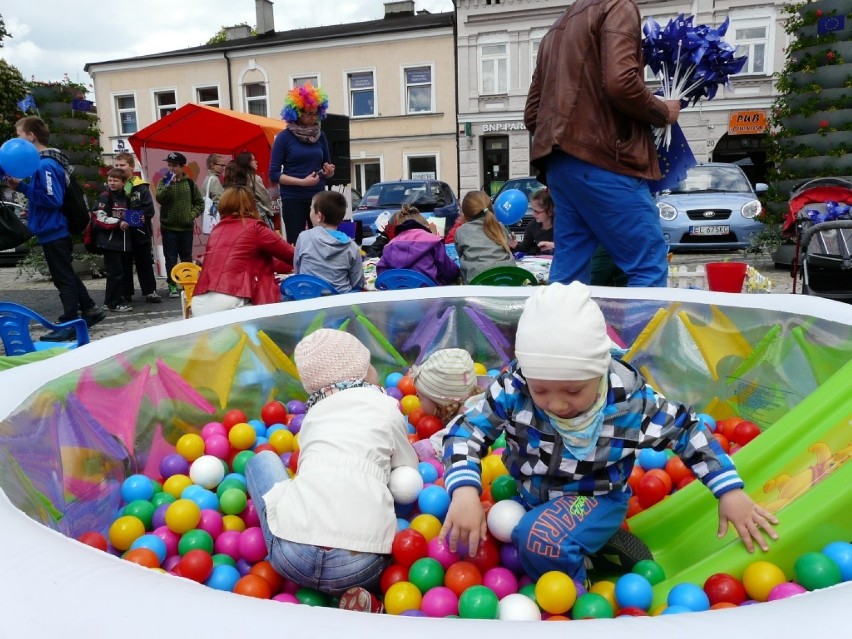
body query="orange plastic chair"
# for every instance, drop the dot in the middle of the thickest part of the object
(186, 274)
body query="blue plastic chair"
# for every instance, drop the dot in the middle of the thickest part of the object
(15, 330)
(302, 286)
(402, 278)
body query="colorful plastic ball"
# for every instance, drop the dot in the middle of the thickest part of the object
(252, 544)
(840, 552)
(250, 514)
(142, 510)
(182, 515)
(233, 522)
(197, 565)
(153, 543)
(217, 446)
(690, 596)
(296, 407)
(555, 592)
(170, 538)
(592, 606)
(635, 591)
(211, 522)
(651, 490)
(285, 597)
(402, 596)
(409, 403)
(207, 471)
(814, 570)
(283, 441)
(391, 575)
(677, 470)
(124, 531)
(785, 590)
(724, 588)
(428, 472)
(162, 498)
(294, 425)
(744, 432)
(94, 539)
(231, 481)
(242, 436)
(253, 586)
(510, 558)
(501, 580)
(190, 447)
(136, 487)
(238, 464)
(528, 590)
(405, 484)
(651, 570)
(427, 525)
(233, 501)
(487, 556)
(406, 385)
(675, 610)
(518, 607)
(492, 467)
(265, 570)
(426, 573)
(461, 576)
(176, 484)
(311, 597)
(142, 557)
(434, 500)
(392, 379)
(440, 602)
(760, 577)
(427, 426)
(439, 550)
(649, 458)
(707, 420)
(503, 518)
(630, 611)
(273, 412)
(510, 206)
(503, 487)
(195, 540)
(228, 543)
(408, 546)
(478, 602)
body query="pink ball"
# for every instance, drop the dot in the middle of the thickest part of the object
(501, 580)
(784, 590)
(218, 446)
(439, 467)
(285, 597)
(524, 581)
(440, 552)
(211, 522)
(249, 515)
(440, 602)
(290, 587)
(228, 543)
(171, 539)
(212, 428)
(252, 544)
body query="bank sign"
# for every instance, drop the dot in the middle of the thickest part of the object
(747, 122)
(496, 127)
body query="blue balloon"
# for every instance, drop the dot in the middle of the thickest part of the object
(510, 206)
(19, 158)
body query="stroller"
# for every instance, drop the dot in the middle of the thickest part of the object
(819, 215)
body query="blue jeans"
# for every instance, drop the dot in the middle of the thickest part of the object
(329, 570)
(595, 206)
(559, 534)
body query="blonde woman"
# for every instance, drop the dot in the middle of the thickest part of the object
(481, 242)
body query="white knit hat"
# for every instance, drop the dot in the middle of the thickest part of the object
(446, 376)
(562, 335)
(329, 356)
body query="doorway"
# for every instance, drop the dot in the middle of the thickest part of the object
(495, 162)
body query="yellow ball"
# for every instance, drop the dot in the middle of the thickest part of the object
(176, 484)
(402, 596)
(190, 447)
(555, 592)
(242, 436)
(657, 611)
(182, 516)
(605, 589)
(409, 404)
(124, 531)
(760, 578)
(233, 522)
(492, 467)
(480, 369)
(283, 441)
(427, 525)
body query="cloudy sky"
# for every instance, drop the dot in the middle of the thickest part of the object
(53, 37)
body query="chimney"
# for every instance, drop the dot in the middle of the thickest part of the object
(400, 8)
(265, 20)
(237, 32)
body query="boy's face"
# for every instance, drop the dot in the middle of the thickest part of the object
(115, 184)
(565, 399)
(177, 169)
(316, 216)
(124, 165)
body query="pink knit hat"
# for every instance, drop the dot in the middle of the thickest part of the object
(329, 356)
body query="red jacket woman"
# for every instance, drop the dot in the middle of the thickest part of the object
(243, 255)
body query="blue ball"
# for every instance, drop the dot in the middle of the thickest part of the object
(392, 380)
(153, 543)
(840, 552)
(274, 428)
(434, 500)
(634, 590)
(707, 420)
(402, 524)
(19, 158)
(237, 476)
(649, 458)
(259, 427)
(137, 487)
(206, 499)
(223, 577)
(675, 610)
(510, 206)
(428, 472)
(688, 596)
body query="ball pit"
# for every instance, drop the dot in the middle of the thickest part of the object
(67, 575)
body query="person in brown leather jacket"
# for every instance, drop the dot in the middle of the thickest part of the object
(591, 117)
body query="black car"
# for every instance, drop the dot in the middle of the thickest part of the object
(527, 186)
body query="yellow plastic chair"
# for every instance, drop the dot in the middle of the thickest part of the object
(186, 274)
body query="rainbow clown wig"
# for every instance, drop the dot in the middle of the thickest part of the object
(304, 98)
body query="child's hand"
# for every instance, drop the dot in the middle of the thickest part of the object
(737, 508)
(465, 521)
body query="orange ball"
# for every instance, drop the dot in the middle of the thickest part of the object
(406, 386)
(723, 442)
(664, 477)
(264, 569)
(414, 416)
(142, 556)
(633, 506)
(726, 427)
(677, 470)
(461, 576)
(252, 585)
(635, 475)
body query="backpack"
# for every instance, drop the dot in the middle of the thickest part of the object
(75, 207)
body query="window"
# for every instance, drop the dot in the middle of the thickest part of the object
(207, 95)
(493, 63)
(125, 108)
(362, 96)
(256, 98)
(422, 167)
(301, 81)
(165, 102)
(366, 174)
(418, 89)
(752, 41)
(535, 42)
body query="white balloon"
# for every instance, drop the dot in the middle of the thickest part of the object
(518, 607)
(405, 484)
(207, 471)
(503, 517)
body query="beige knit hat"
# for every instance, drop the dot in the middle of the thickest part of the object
(562, 335)
(446, 376)
(328, 356)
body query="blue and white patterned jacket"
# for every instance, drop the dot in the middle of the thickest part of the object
(636, 417)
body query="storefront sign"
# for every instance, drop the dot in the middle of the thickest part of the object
(120, 145)
(747, 122)
(495, 127)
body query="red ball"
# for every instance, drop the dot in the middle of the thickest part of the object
(651, 490)
(93, 539)
(427, 426)
(677, 470)
(725, 427)
(293, 463)
(461, 576)
(487, 556)
(232, 417)
(273, 413)
(415, 416)
(633, 506)
(724, 588)
(197, 565)
(635, 475)
(393, 574)
(685, 482)
(664, 477)
(744, 432)
(408, 546)
(631, 611)
(263, 447)
(723, 442)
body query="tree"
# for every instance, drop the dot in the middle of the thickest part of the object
(12, 91)
(222, 35)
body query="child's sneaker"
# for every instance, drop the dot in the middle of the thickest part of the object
(623, 551)
(120, 308)
(173, 290)
(360, 599)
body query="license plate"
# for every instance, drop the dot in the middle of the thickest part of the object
(709, 230)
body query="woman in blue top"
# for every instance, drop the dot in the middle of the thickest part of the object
(301, 162)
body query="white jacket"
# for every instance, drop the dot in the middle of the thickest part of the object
(348, 444)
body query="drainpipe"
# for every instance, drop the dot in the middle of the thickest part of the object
(230, 87)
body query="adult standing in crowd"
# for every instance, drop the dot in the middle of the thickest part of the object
(591, 114)
(243, 172)
(215, 167)
(141, 239)
(301, 162)
(45, 191)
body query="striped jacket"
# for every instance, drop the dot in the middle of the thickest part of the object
(635, 417)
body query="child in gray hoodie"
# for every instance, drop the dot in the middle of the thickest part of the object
(325, 252)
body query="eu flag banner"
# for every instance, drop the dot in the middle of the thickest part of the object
(831, 23)
(82, 105)
(27, 103)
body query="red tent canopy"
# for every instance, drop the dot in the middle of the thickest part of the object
(195, 128)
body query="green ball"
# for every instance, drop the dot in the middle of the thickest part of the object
(142, 509)
(229, 483)
(815, 570)
(651, 570)
(311, 597)
(426, 573)
(195, 540)
(478, 602)
(233, 501)
(162, 498)
(528, 591)
(157, 486)
(503, 487)
(240, 461)
(591, 606)
(221, 558)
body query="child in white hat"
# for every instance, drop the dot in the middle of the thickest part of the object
(330, 528)
(575, 419)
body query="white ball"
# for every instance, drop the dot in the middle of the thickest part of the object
(207, 471)
(405, 484)
(518, 607)
(503, 517)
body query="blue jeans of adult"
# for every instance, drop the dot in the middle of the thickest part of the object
(177, 245)
(329, 570)
(559, 534)
(595, 206)
(73, 293)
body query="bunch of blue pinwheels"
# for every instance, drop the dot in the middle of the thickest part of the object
(833, 211)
